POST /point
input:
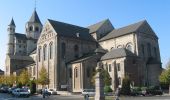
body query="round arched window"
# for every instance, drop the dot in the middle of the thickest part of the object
(119, 46)
(36, 29)
(129, 46)
(30, 28)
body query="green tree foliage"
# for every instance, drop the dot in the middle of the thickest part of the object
(24, 77)
(43, 77)
(2, 79)
(10, 80)
(164, 78)
(125, 90)
(105, 75)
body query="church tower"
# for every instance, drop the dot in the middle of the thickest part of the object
(33, 30)
(11, 32)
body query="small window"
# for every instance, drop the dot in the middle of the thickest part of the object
(51, 50)
(36, 29)
(19, 46)
(78, 34)
(149, 49)
(110, 68)
(30, 28)
(19, 41)
(119, 81)
(76, 72)
(118, 66)
(129, 47)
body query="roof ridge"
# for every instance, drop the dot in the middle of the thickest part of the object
(67, 23)
(140, 22)
(99, 22)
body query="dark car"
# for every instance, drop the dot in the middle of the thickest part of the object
(4, 89)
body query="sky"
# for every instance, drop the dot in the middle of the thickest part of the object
(88, 12)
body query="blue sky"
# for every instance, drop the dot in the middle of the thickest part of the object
(87, 12)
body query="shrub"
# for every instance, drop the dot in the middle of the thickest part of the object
(32, 86)
(107, 89)
(19, 85)
(126, 86)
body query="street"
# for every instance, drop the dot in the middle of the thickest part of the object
(4, 96)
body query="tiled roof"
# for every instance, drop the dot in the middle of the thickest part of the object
(141, 27)
(95, 27)
(72, 31)
(100, 50)
(34, 18)
(117, 53)
(12, 23)
(20, 36)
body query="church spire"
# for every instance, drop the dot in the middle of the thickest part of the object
(12, 23)
(34, 18)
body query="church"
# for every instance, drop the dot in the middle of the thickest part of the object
(70, 53)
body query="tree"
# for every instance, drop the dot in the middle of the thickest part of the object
(10, 80)
(164, 78)
(125, 90)
(106, 78)
(24, 77)
(2, 79)
(43, 77)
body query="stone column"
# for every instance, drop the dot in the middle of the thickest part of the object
(99, 84)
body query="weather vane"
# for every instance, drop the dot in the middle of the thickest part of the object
(35, 4)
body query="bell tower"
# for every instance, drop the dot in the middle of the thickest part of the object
(11, 32)
(33, 26)
(33, 30)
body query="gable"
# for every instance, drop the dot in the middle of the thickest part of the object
(146, 28)
(47, 33)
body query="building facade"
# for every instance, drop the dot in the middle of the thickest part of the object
(70, 53)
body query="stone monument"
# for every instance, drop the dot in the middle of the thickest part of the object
(99, 83)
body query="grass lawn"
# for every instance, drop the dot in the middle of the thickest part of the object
(106, 98)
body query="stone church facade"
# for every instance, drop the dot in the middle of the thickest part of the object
(70, 53)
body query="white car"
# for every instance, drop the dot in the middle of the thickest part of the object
(52, 91)
(89, 92)
(18, 92)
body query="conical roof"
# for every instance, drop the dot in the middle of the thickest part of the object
(12, 23)
(34, 18)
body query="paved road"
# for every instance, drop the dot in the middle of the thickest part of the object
(4, 96)
(146, 98)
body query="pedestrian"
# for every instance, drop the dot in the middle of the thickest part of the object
(117, 93)
(86, 97)
(43, 92)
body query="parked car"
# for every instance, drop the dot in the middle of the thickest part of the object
(20, 92)
(52, 91)
(11, 89)
(90, 92)
(4, 89)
